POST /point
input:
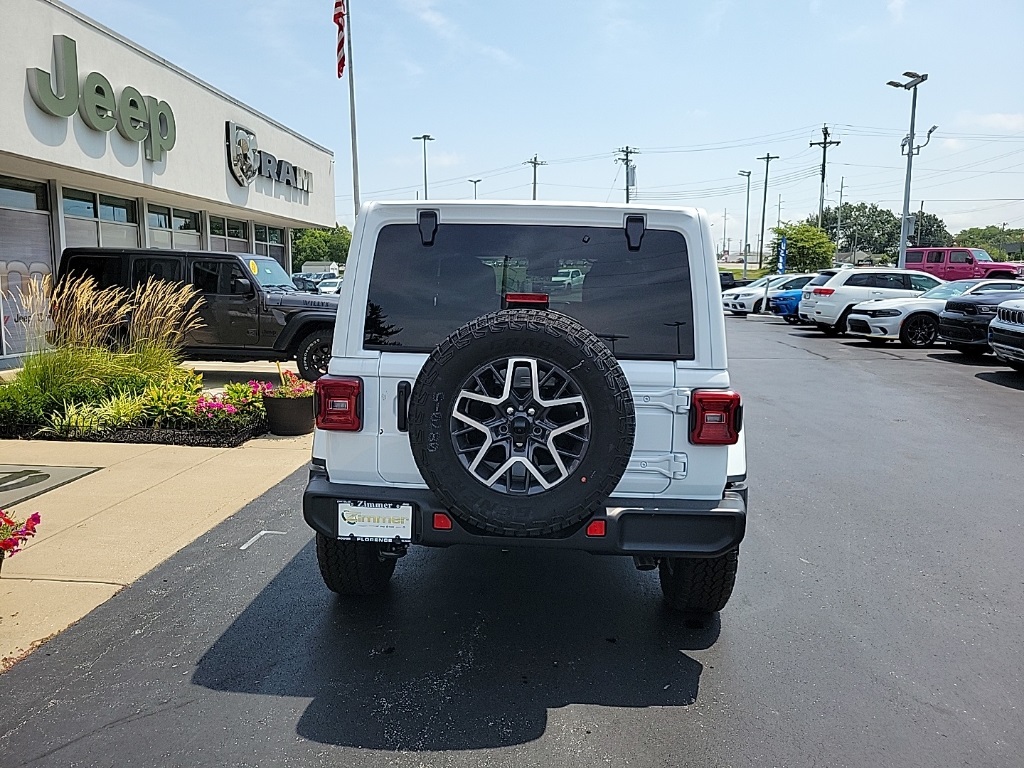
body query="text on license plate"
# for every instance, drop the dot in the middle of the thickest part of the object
(374, 521)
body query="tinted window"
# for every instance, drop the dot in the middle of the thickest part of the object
(186, 221)
(959, 257)
(217, 277)
(160, 267)
(860, 281)
(105, 270)
(640, 302)
(892, 281)
(935, 257)
(821, 279)
(994, 287)
(915, 257)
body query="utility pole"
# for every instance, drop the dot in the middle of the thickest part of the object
(824, 144)
(474, 182)
(911, 150)
(764, 208)
(746, 226)
(534, 162)
(778, 223)
(624, 153)
(839, 211)
(725, 224)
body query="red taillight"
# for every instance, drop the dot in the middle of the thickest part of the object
(525, 300)
(339, 403)
(442, 522)
(715, 417)
(596, 528)
(823, 291)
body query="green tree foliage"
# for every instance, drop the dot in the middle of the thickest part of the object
(867, 227)
(320, 245)
(808, 248)
(992, 238)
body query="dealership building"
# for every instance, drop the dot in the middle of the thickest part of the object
(104, 143)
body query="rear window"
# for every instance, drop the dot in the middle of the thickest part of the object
(639, 303)
(915, 257)
(821, 279)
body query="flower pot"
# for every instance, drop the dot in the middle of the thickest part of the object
(289, 415)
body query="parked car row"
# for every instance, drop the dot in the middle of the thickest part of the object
(912, 307)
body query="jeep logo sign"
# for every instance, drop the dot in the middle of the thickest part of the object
(138, 118)
(247, 161)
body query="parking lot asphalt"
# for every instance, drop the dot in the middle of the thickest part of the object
(876, 619)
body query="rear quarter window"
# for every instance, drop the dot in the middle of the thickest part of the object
(640, 303)
(105, 270)
(820, 279)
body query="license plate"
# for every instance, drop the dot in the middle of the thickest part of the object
(374, 521)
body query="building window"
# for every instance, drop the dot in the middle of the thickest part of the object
(229, 235)
(172, 227)
(26, 195)
(92, 219)
(270, 242)
(79, 203)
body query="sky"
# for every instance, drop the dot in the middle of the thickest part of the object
(702, 89)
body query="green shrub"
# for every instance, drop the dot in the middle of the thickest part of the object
(172, 403)
(20, 406)
(74, 421)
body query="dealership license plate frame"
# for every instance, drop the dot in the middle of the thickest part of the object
(372, 521)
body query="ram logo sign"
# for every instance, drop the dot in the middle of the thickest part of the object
(247, 161)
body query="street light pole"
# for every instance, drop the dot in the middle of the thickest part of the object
(474, 182)
(910, 85)
(746, 226)
(424, 138)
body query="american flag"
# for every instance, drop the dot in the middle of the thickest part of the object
(339, 19)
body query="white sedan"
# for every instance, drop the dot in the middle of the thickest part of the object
(749, 298)
(332, 285)
(915, 320)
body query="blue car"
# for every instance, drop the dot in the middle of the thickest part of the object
(786, 305)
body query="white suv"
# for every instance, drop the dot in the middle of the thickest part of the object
(465, 404)
(828, 299)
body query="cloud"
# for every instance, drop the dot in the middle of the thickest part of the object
(996, 121)
(896, 9)
(427, 12)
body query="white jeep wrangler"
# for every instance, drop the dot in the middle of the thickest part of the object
(466, 403)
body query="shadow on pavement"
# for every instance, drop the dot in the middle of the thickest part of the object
(986, 361)
(468, 650)
(1009, 379)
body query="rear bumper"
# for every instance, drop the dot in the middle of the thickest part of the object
(643, 527)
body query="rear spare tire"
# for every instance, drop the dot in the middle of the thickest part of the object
(522, 423)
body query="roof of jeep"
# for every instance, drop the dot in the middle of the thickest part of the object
(420, 204)
(122, 252)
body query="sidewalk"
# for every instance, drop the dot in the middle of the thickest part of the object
(103, 531)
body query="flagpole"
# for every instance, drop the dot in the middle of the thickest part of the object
(352, 107)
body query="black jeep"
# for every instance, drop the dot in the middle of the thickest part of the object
(251, 309)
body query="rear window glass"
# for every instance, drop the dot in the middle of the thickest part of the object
(915, 257)
(639, 303)
(821, 279)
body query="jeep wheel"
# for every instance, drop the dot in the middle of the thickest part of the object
(698, 585)
(919, 331)
(353, 567)
(522, 423)
(314, 354)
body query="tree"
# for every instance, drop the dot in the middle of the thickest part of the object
(930, 230)
(320, 245)
(808, 248)
(864, 227)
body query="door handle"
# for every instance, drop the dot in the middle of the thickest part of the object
(404, 390)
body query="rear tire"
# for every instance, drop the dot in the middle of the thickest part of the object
(698, 585)
(828, 330)
(353, 567)
(791, 320)
(314, 354)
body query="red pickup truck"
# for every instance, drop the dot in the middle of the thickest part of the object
(959, 263)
